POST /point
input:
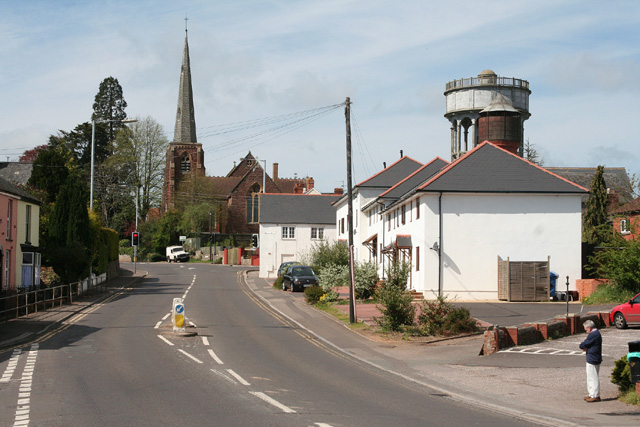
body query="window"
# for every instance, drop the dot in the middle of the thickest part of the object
(9, 209)
(253, 203)
(317, 233)
(624, 226)
(411, 210)
(418, 209)
(288, 232)
(389, 222)
(185, 163)
(7, 265)
(417, 258)
(404, 214)
(27, 231)
(342, 226)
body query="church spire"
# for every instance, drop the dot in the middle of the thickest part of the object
(185, 130)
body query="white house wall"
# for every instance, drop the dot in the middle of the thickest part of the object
(275, 250)
(477, 229)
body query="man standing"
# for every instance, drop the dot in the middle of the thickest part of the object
(593, 348)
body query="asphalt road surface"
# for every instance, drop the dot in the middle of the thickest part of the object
(120, 363)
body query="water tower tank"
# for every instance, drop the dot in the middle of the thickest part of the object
(466, 98)
(501, 124)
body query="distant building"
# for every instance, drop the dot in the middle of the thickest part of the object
(17, 173)
(290, 225)
(19, 245)
(235, 197)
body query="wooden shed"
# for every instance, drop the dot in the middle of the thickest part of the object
(523, 280)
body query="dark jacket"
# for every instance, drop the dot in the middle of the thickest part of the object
(593, 345)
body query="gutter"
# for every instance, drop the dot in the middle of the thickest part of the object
(440, 245)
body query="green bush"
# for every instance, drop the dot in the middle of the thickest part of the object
(218, 260)
(606, 294)
(458, 321)
(366, 277)
(156, 257)
(620, 264)
(398, 274)
(313, 294)
(323, 254)
(621, 375)
(332, 276)
(278, 282)
(440, 317)
(433, 314)
(396, 307)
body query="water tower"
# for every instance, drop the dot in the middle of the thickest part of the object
(487, 107)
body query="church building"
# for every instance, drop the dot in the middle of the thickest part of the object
(235, 197)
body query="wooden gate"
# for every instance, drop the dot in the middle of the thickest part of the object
(523, 280)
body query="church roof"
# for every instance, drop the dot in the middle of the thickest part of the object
(16, 172)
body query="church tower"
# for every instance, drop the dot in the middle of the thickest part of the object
(184, 155)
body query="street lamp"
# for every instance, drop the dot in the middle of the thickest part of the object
(93, 150)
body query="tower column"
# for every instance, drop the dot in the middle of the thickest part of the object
(474, 133)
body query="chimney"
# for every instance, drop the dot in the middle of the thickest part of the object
(401, 153)
(338, 191)
(274, 175)
(384, 165)
(298, 188)
(310, 183)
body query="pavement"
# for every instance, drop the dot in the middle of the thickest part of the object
(533, 383)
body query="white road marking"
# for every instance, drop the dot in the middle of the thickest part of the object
(238, 377)
(166, 316)
(216, 358)
(205, 341)
(21, 417)
(195, 359)
(11, 366)
(224, 376)
(192, 324)
(158, 325)
(165, 340)
(542, 351)
(273, 402)
(323, 425)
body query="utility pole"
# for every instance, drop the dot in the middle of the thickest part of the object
(352, 308)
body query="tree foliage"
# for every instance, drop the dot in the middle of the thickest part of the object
(620, 263)
(595, 227)
(324, 253)
(109, 105)
(32, 154)
(49, 172)
(69, 243)
(532, 155)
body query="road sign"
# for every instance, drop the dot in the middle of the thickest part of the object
(178, 315)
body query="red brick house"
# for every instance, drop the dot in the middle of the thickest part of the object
(626, 219)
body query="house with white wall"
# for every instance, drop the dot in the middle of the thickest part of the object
(290, 224)
(455, 225)
(19, 228)
(363, 194)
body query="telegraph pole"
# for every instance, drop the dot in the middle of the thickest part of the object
(352, 308)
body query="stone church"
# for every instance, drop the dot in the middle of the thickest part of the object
(235, 197)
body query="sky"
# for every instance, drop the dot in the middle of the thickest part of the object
(286, 60)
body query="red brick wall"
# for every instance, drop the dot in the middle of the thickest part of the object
(586, 287)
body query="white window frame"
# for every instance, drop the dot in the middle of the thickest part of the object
(9, 209)
(288, 232)
(624, 226)
(7, 268)
(317, 233)
(27, 226)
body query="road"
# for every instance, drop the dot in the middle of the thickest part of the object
(120, 363)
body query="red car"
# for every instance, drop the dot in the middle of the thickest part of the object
(626, 314)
